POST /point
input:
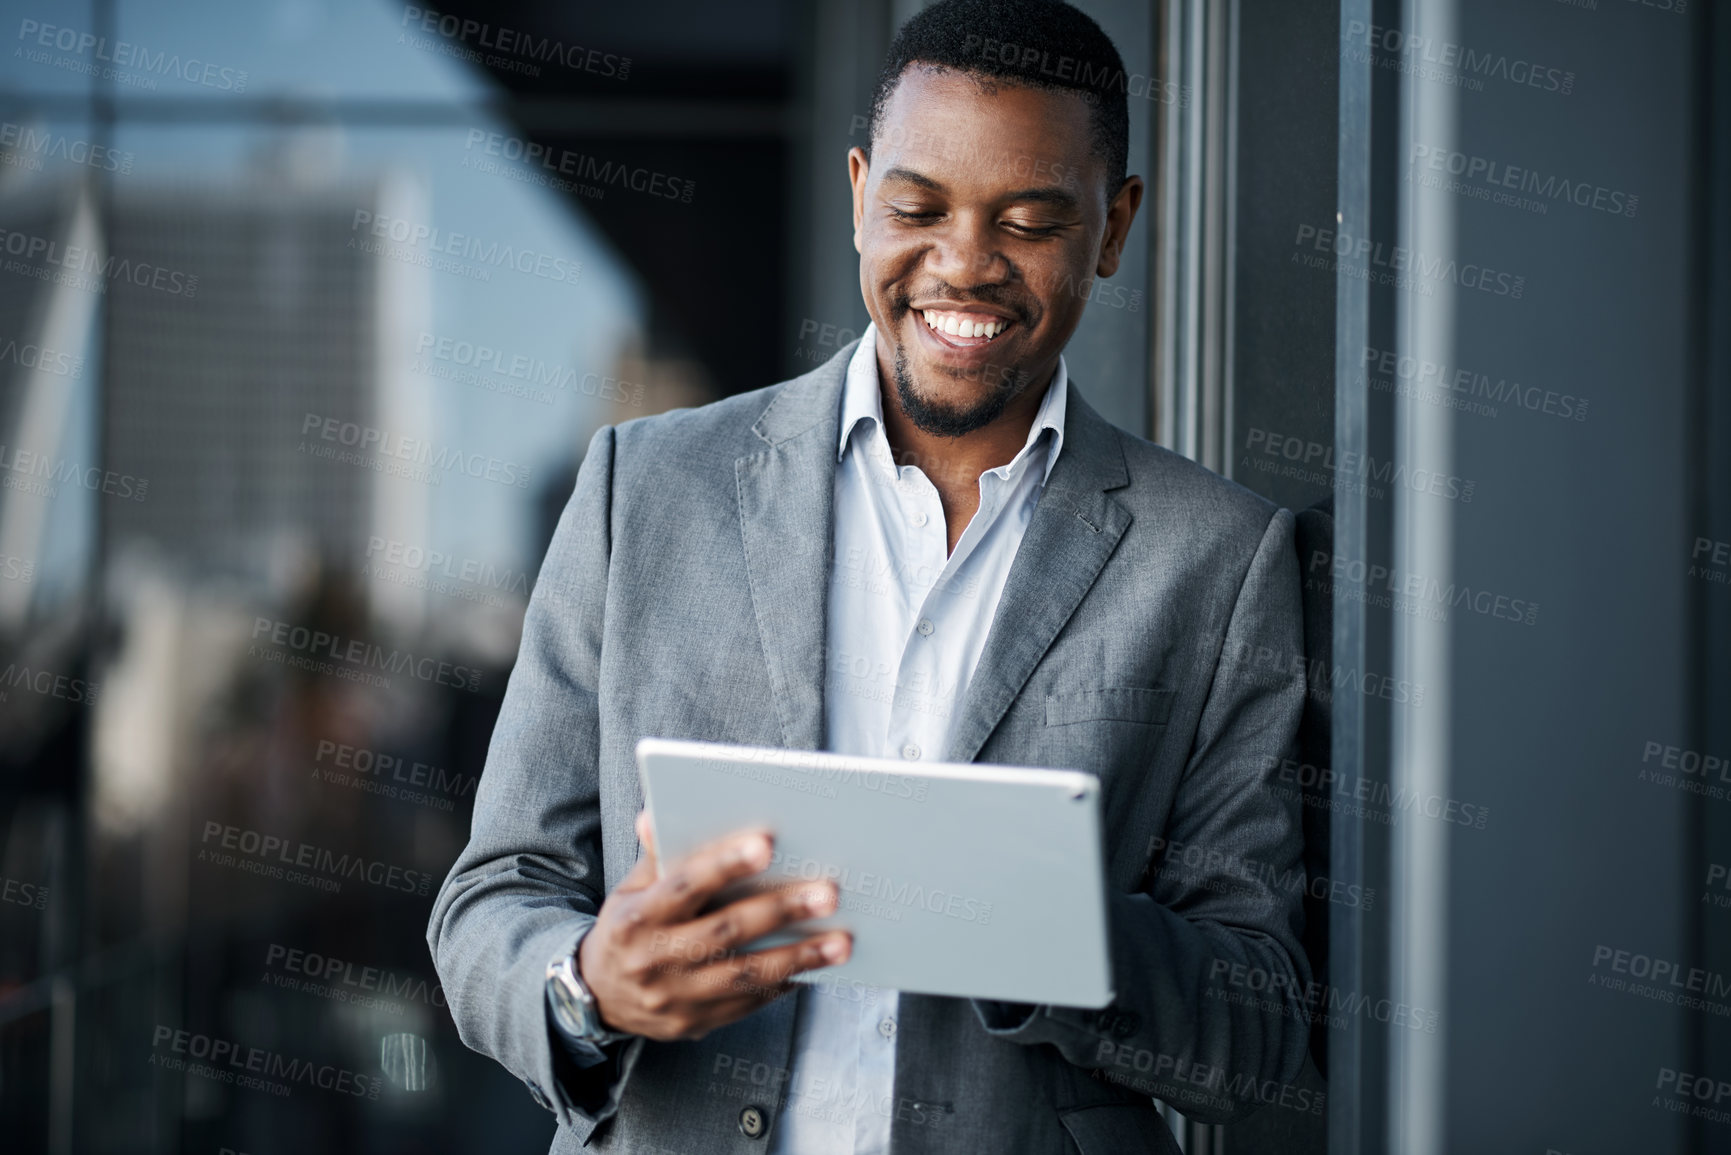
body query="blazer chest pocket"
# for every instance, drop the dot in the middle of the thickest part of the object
(1144, 704)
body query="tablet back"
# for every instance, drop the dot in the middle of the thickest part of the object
(958, 879)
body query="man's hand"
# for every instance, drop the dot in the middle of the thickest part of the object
(658, 969)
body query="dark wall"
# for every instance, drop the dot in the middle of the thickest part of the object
(1283, 312)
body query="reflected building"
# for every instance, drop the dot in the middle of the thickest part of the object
(296, 324)
(46, 330)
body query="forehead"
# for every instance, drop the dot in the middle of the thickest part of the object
(966, 130)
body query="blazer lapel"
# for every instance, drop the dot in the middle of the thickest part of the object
(787, 520)
(1074, 530)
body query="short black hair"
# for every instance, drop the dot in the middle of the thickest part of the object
(1036, 43)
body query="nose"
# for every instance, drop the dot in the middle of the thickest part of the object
(965, 252)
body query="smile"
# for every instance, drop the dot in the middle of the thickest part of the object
(967, 326)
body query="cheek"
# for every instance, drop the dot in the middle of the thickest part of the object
(1061, 285)
(887, 259)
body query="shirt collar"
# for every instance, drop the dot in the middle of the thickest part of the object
(861, 399)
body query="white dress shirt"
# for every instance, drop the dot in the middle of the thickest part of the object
(906, 626)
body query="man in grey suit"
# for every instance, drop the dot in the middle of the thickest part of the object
(930, 547)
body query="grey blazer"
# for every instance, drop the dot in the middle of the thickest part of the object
(1148, 632)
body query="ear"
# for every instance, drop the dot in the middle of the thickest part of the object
(1119, 215)
(858, 168)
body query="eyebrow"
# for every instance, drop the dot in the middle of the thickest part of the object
(1040, 194)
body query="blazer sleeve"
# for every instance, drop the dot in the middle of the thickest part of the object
(1209, 974)
(531, 878)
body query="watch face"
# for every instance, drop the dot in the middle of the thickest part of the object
(574, 1014)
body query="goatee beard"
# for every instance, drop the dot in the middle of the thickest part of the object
(943, 421)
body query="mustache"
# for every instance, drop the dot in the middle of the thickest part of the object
(980, 295)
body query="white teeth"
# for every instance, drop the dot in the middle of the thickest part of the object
(960, 328)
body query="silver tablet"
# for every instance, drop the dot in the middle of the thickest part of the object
(958, 879)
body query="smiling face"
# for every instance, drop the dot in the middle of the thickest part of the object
(980, 220)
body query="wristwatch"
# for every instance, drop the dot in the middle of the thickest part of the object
(574, 1008)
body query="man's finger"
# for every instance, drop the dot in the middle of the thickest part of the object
(747, 919)
(642, 872)
(685, 886)
(765, 972)
(640, 877)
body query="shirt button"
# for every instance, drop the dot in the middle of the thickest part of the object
(920, 519)
(751, 1122)
(887, 1028)
(911, 752)
(925, 627)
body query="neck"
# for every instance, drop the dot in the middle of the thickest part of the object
(954, 464)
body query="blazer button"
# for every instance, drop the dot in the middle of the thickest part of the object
(753, 1122)
(1125, 1024)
